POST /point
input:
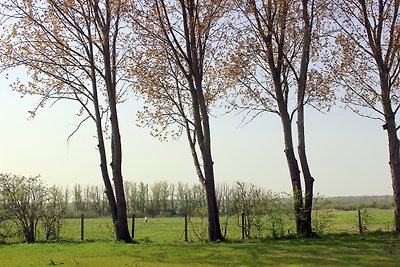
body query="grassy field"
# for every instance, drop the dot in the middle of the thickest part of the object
(161, 244)
(171, 230)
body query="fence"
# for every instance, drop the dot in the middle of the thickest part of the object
(187, 229)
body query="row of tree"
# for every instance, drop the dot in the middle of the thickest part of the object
(167, 199)
(185, 57)
(30, 205)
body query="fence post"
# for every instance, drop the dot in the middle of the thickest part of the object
(360, 227)
(133, 226)
(243, 226)
(186, 227)
(82, 225)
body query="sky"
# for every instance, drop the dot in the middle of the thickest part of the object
(347, 154)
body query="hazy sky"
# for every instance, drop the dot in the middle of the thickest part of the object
(347, 153)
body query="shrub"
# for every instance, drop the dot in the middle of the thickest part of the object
(26, 201)
(322, 216)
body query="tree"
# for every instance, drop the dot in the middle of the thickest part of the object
(182, 47)
(366, 63)
(74, 50)
(275, 44)
(25, 200)
(172, 196)
(143, 198)
(55, 210)
(78, 198)
(155, 198)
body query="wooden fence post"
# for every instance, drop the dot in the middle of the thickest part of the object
(82, 226)
(360, 226)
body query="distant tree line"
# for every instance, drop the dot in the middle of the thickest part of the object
(166, 199)
(33, 207)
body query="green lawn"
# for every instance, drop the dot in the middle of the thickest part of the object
(337, 250)
(161, 244)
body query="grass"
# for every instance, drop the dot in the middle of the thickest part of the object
(336, 250)
(171, 230)
(347, 221)
(161, 244)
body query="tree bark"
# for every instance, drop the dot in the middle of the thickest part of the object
(394, 162)
(101, 145)
(116, 150)
(202, 131)
(394, 146)
(103, 164)
(214, 227)
(294, 172)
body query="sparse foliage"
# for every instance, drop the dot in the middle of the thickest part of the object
(55, 211)
(181, 48)
(322, 215)
(366, 62)
(74, 50)
(367, 218)
(276, 63)
(27, 201)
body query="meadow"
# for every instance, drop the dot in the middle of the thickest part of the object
(161, 243)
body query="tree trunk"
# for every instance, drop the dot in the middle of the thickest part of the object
(306, 229)
(214, 228)
(104, 172)
(293, 166)
(394, 154)
(214, 232)
(116, 164)
(207, 179)
(121, 224)
(30, 238)
(294, 172)
(394, 162)
(101, 146)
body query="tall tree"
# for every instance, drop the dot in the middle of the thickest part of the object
(366, 63)
(276, 42)
(181, 48)
(74, 50)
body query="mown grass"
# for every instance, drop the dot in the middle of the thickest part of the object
(161, 244)
(336, 250)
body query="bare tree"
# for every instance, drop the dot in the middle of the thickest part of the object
(74, 50)
(275, 44)
(366, 63)
(182, 50)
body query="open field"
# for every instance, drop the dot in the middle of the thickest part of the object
(171, 230)
(161, 244)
